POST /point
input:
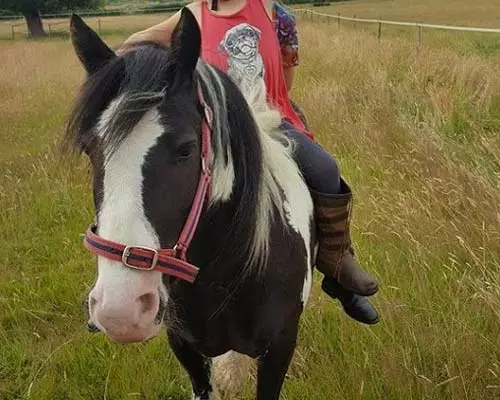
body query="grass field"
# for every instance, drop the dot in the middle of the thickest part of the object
(482, 13)
(418, 138)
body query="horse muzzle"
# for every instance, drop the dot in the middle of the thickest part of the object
(130, 321)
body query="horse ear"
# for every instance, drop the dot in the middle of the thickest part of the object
(90, 49)
(186, 43)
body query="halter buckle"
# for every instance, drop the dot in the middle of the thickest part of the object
(126, 254)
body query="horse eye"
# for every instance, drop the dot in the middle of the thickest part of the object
(185, 151)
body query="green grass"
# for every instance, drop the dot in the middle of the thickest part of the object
(417, 137)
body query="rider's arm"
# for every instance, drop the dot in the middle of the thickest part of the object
(160, 33)
(287, 35)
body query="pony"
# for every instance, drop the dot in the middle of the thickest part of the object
(204, 224)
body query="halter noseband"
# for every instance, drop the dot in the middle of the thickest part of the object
(168, 261)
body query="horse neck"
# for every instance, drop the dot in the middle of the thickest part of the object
(245, 194)
(227, 227)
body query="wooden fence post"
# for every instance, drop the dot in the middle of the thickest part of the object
(419, 36)
(99, 25)
(338, 20)
(379, 29)
(13, 28)
(50, 30)
(354, 16)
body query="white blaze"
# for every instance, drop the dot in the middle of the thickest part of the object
(121, 217)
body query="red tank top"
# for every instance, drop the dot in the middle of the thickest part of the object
(245, 46)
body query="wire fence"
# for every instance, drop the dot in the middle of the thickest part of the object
(15, 26)
(312, 15)
(20, 27)
(52, 28)
(339, 17)
(59, 23)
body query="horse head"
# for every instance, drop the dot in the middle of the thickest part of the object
(138, 120)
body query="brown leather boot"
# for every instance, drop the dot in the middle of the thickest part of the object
(335, 256)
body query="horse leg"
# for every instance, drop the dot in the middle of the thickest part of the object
(198, 367)
(272, 367)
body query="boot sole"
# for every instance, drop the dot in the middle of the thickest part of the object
(363, 321)
(361, 293)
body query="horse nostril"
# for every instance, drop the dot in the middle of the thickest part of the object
(92, 328)
(148, 302)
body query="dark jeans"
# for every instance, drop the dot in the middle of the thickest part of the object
(321, 171)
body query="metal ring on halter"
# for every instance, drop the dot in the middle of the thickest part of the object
(178, 250)
(204, 166)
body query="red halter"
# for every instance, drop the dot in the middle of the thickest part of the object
(168, 261)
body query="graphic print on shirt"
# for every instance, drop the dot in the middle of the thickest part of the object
(245, 65)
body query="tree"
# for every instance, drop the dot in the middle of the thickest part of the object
(32, 10)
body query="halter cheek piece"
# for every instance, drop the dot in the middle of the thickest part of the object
(168, 261)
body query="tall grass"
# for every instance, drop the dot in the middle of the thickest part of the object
(417, 137)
